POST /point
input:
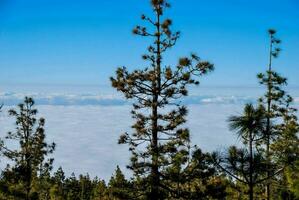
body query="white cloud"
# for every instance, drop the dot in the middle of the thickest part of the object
(12, 98)
(86, 136)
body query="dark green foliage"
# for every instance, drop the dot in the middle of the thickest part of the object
(81, 188)
(280, 141)
(271, 134)
(245, 165)
(73, 188)
(100, 191)
(29, 159)
(159, 142)
(200, 179)
(119, 187)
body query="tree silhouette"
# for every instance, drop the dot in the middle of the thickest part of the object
(155, 91)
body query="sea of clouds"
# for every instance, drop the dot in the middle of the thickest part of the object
(12, 98)
(86, 125)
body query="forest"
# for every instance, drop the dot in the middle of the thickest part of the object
(165, 163)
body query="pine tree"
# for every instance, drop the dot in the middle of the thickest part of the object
(42, 186)
(155, 91)
(100, 190)
(59, 177)
(292, 179)
(86, 185)
(200, 178)
(57, 191)
(119, 187)
(72, 187)
(246, 165)
(30, 158)
(285, 153)
(249, 126)
(281, 124)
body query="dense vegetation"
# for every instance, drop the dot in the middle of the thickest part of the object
(164, 162)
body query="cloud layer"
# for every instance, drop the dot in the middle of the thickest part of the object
(87, 136)
(13, 98)
(86, 127)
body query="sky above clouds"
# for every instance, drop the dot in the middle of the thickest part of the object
(82, 42)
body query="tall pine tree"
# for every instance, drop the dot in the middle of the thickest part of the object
(155, 90)
(281, 122)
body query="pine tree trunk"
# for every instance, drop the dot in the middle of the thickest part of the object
(156, 87)
(155, 179)
(28, 170)
(28, 179)
(268, 186)
(251, 167)
(251, 192)
(268, 131)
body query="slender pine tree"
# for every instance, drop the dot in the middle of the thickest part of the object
(280, 117)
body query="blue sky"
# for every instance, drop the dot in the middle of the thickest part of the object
(81, 42)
